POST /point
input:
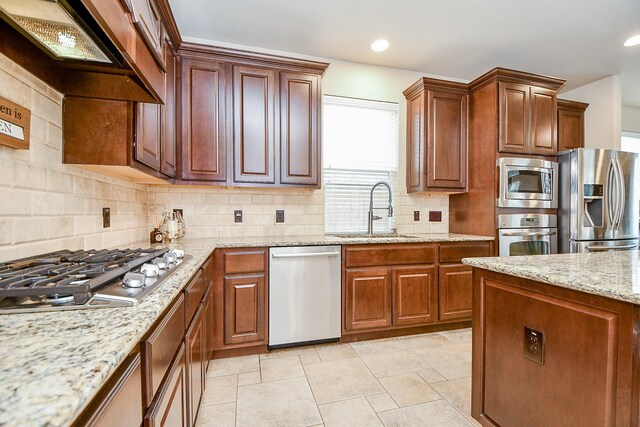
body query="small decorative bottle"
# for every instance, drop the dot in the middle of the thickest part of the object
(156, 236)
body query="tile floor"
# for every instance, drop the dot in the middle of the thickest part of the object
(419, 380)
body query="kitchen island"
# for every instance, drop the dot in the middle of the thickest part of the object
(53, 364)
(556, 340)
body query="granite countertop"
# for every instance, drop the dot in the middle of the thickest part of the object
(53, 363)
(612, 274)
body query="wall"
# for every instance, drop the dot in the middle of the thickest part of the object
(209, 211)
(47, 206)
(630, 119)
(603, 116)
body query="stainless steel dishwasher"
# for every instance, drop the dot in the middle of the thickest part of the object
(304, 294)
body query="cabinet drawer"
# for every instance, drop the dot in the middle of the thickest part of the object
(245, 261)
(161, 346)
(193, 294)
(403, 254)
(170, 407)
(454, 252)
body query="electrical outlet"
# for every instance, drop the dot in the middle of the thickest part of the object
(180, 212)
(237, 216)
(435, 216)
(534, 345)
(106, 217)
(416, 215)
(279, 215)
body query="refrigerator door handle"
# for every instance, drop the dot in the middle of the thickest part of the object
(621, 194)
(610, 193)
(594, 248)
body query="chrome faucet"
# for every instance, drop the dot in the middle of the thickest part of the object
(373, 217)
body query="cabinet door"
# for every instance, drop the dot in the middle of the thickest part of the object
(415, 143)
(447, 140)
(195, 364)
(168, 161)
(146, 18)
(244, 309)
(209, 330)
(204, 131)
(148, 122)
(570, 125)
(170, 408)
(254, 137)
(299, 128)
(415, 297)
(367, 298)
(456, 289)
(513, 116)
(543, 122)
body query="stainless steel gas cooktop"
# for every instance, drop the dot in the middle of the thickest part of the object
(71, 280)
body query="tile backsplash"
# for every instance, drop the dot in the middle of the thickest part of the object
(46, 205)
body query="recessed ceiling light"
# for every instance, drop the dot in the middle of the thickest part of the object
(631, 41)
(379, 45)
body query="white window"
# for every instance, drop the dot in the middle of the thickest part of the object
(630, 142)
(360, 143)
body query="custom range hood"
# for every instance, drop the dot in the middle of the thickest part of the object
(61, 28)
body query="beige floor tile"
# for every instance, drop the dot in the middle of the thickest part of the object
(233, 365)
(466, 356)
(277, 403)
(458, 394)
(458, 335)
(381, 402)
(287, 352)
(349, 413)
(340, 380)
(390, 358)
(430, 375)
(432, 414)
(248, 378)
(336, 352)
(309, 358)
(448, 365)
(409, 389)
(223, 415)
(220, 390)
(281, 368)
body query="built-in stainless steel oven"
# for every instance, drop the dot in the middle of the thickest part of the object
(528, 183)
(527, 234)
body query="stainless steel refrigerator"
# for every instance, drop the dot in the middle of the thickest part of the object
(598, 200)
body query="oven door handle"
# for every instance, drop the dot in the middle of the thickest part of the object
(528, 233)
(611, 248)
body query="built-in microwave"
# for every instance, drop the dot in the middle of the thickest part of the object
(527, 183)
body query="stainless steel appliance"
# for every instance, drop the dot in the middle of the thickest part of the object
(527, 234)
(598, 200)
(304, 294)
(71, 280)
(527, 183)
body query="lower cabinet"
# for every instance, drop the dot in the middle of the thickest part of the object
(196, 369)
(368, 298)
(415, 299)
(244, 309)
(456, 285)
(170, 406)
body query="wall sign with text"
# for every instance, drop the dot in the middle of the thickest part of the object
(14, 125)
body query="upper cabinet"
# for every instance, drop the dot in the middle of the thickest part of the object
(249, 119)
(437, 115)
(146, 18)
(570, 124)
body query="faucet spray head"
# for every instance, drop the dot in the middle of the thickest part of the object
(390, 210)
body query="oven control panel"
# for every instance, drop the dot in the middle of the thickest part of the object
(530, 222)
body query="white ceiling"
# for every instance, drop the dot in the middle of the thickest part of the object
(578, 40)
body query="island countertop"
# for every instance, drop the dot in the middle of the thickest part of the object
(53, 363)
(613, 274)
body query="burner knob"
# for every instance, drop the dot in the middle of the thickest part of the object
(178, 252)
(162, 263)
(133, 280)
(171, 257)
(150, 270)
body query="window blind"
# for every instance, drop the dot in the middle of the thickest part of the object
(360, 143)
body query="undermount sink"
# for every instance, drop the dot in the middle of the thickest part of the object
(373, 236)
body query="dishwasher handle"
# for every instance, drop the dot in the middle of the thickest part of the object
(306, 255)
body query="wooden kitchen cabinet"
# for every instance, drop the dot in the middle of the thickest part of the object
(415, 299)
(240, 300)
(203, 117)
(367, 298)
(300, 103)
(254, 127)
(527, 118)
(570, 124)
(196, 363)
(437, 115)
(169, 137)
(147, 20)
(148, 134)
(171, 406)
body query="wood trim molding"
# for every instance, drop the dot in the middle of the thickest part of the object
(572, 105)
(508, 75)
(429, 83)
(196, 50)
(170, 24)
